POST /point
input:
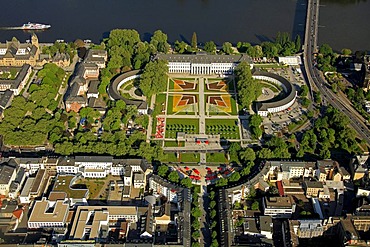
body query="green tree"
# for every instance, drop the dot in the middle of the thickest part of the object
(162, 170)
(234, 177)
(304, 91)
(248, 88)
(298, 45)
(248, 154)
(194, 41)
(154, 78)
(346, 52)
(227, 48)
(195, 235)
(221, 182)
(265, 153)
(210, 47)
(174, 177)
(255, 205)
(159, 41)
(234, 149)
(180, 47)
(186, 182)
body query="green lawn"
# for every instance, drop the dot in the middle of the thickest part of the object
(128, 85)
(270, 65)
(174, 125)
(160, 102)
(217, 157)
(190, 157)
(170, 105)
(226, 128)
(271, 86)
(184, 157)
(173, 144)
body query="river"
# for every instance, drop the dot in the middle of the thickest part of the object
(344, 21)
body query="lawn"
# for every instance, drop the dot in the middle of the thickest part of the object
(189, 157)
(174, 125)
(270, 65)
(226, 128)
(94, 186)
(159, 104)
(173, 144)
(217, 157)
(271, 86)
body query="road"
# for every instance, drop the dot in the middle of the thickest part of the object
(316, 79)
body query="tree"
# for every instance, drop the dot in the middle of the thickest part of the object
(180, 47)
(162, 170)
(255, 122)
(255, 205)
(265, 153)
(196, 224)
(214, 234)
(154, 78)
(234, 149)
(195, 235)
(195, 244)
(234, 177)
(269, 49)
(325, 153)
(346, 52)
(227, 48)
(297, 42)
(248, 154)
(213, 213)
(195, 212)
(248, 88)
(186, 182)
(194, 41)
(159, 41)
(304, 91)
(212, 204)
(221, 182)
(210, 47)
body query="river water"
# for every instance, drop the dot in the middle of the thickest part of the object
(344, 21)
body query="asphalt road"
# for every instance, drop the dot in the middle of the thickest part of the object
(315, 78)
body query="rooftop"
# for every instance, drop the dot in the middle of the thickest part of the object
(204, 58)
(278, 202)
(6, 173)
(314, 184)
(45, 211)
(62, 184)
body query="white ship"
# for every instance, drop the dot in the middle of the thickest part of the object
(35, 26)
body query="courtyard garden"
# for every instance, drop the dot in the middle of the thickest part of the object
(226, 128)
(174, 125)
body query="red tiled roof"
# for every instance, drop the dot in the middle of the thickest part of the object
(280, 188)
(18, 213)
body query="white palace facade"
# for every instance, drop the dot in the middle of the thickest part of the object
(203, 64)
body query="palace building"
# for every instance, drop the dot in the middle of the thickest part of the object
(14, 53)
(203, 64)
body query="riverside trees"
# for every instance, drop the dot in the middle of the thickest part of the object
(248, 88)
(154, 78)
